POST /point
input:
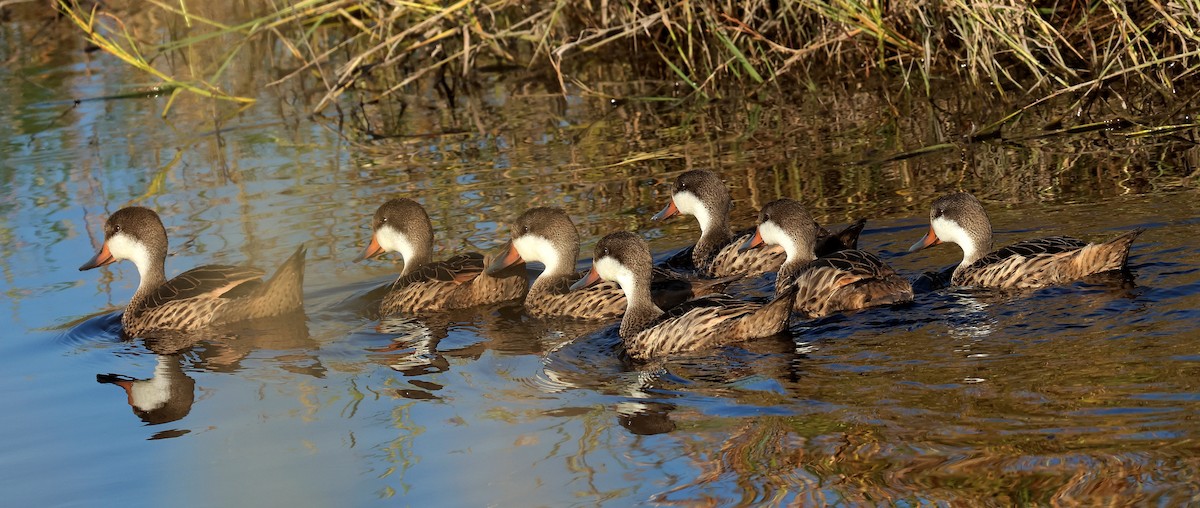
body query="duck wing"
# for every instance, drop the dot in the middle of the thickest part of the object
(853, 263)
(458, 269)
(1031, 248)
(722, 302)
(209, 281)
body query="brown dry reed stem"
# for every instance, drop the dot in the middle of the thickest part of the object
(1013, 46)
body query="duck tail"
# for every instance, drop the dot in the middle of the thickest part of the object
(701, 287)
(284, 292)
(771, 318)
(1108, 256)
(889, 290)
(846, 239)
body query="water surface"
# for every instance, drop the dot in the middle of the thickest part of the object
(1066, 394)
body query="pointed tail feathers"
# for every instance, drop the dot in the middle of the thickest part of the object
(846, 239)
(284, 292)
(701, 287)
(1108, 256)
(769, 319)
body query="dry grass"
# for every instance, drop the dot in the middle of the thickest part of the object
(1013, 46)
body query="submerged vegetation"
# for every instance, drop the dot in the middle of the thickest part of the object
(382, 47)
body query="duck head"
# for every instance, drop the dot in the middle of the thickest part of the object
(699, 193)
(960, 219)
(401, 225)
(785, 222)
(545, 235)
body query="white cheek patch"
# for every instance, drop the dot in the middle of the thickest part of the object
(949, 231)
(395, 241)
(772, 234)
(689, 204)
(612, 270)
(125, 247)
(539, 249)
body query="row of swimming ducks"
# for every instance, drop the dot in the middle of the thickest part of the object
(663, 309)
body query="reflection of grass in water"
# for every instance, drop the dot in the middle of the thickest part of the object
(818, 459)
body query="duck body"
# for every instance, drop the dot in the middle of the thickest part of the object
(844, 280)
(199, 298)
(701, 193)
(401, 225)
(960, 218)
(455, 283)
(647, 332)
(548, 236)
(1044, 262)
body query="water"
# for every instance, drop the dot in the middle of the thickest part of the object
(1067, 394)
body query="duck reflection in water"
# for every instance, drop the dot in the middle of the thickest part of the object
(164, 397)
(222, 349)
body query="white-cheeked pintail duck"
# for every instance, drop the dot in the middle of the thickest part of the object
(844, 280)
(647, 332)
(198, 298)
(718, 253)
(402, 226)
(960, 219)
(547, 235)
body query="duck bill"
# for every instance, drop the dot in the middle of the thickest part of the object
(511, 257)
(930, 239)
(667, 212)
(754, 242)
(374, 249)
(104, 257)
(592, 277)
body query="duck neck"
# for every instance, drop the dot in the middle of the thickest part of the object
(152, 273)
(640, 309)
(713, 235)
(975, 248)
(559, 265)
(415, 257)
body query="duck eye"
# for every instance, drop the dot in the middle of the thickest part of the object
(767, 217)
(117, 228)
(383, 220)
(526, 229)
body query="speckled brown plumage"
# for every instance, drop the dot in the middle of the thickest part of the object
(198, 298)
(548, 236)
(434, 288)
(647, 332)
(401, 225)
(839, 281)
(717, 253)
(961, 219)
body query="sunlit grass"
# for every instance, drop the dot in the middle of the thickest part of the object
(1011, 46)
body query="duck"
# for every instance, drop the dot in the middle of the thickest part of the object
(845, 280)
(401, 225)
(647, 332)
(702, 194)
(199, 298)
(960, 219)
(547, 235)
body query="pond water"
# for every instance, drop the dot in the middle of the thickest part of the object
(1076, 393)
